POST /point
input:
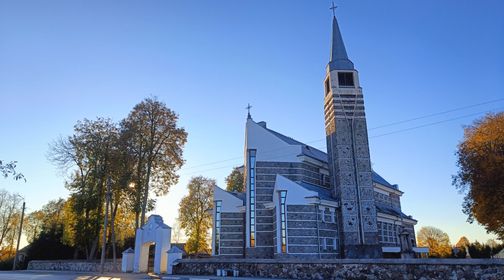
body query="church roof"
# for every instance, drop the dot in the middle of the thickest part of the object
(239, 195)
(392, 211)
(323, 193)
(339, 58)
(317, 154)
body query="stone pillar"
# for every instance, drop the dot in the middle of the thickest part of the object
(173, 255)
(128, 257)
(406, 246)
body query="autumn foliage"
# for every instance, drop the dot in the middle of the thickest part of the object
(481, 172)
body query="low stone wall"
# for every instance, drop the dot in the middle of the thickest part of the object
(73, 265)
(422, 269)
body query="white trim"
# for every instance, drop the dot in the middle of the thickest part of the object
(269, 205)
(382, 217)
(421, 249)
(231, 225)
(316, 162)
(316, 200)
(316, 253)
(391, 249)
(387, 189)
(232, 247)
(381, 191)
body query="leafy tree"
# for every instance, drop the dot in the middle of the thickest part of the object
(156, 143)
(194, 214)
(9, 169)
(463, 242)
(90, 151)
(48, 245)
(234, 182)
(51, 216)
(479, 250)
(461, 247)
(480, 176)
(436, 240)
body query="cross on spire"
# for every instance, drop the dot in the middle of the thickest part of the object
(248, 110)
(333, 8)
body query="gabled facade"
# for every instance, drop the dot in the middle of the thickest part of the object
(301, 202)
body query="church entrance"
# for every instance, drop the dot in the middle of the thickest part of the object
(151, 246)
(150, 262)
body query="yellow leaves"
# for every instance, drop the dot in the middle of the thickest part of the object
(194, 216)
(480, 176)
(436, 240)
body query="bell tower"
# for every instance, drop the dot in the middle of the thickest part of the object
(348, 152)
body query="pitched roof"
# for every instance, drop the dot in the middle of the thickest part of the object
(392, 211)
(317, 154)
(323, 193)
(239, 195)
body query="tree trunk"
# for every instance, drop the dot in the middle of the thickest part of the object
(112, 234)
(146, 192)
(92, 251)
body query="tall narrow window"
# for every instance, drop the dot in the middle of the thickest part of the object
(345, 79)
(252, 195)
(218, 210)
(327, 86)
(283, 221)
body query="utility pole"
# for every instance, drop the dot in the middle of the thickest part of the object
(19, 237)
(105, 222)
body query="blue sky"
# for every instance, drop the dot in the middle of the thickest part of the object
(62, 61)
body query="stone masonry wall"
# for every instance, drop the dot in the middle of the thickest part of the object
(73, 265)
(422, 269)
(232, 240)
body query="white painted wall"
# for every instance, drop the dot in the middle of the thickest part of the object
(296, 194)
(268, 146)
(230, 203)
(154, 231)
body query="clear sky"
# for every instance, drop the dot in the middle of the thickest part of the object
(62, 61)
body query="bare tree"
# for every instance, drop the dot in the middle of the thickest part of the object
(10, 209)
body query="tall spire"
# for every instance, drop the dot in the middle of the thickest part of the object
(339, 58)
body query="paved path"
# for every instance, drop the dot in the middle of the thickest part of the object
(67, 275)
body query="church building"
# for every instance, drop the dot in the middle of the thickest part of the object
(301, 202)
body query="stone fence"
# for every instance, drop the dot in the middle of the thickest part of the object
(424, 269)
(73, 265)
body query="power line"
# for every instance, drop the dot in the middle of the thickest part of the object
(437, 114)
(432, 123)
(374, 136)
(377, 127)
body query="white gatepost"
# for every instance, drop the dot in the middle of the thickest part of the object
(174, 254)
(128, 258)
(153, 232)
